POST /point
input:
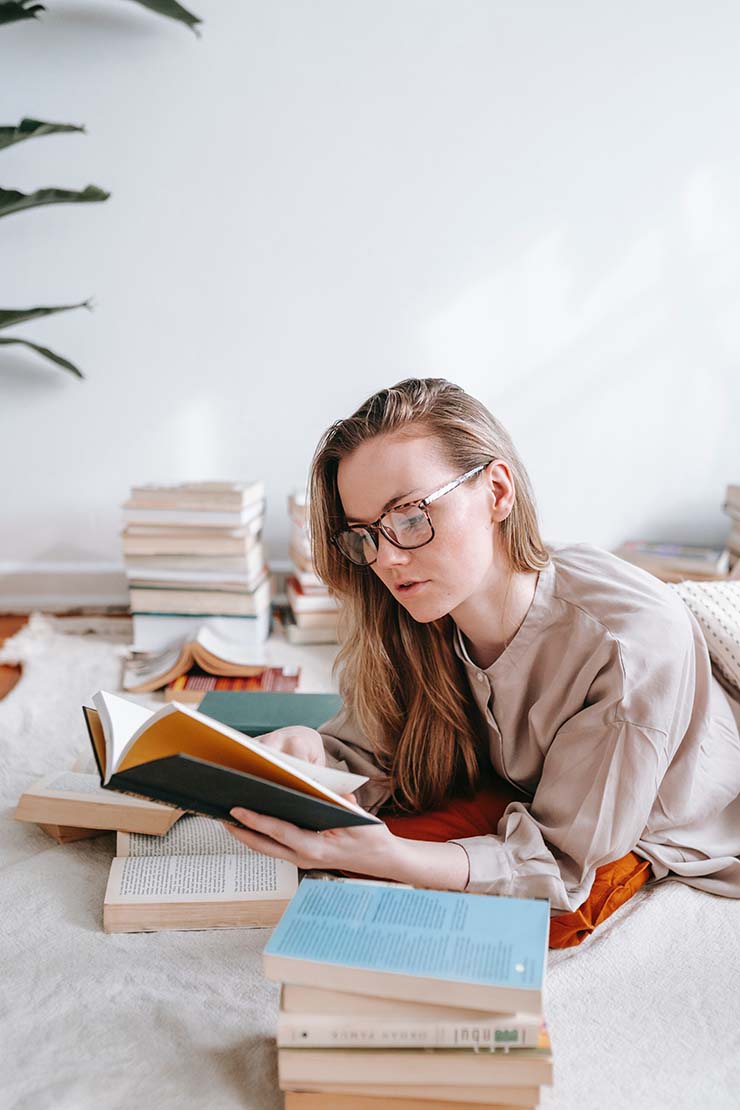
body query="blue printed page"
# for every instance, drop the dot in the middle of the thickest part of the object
(432, 933)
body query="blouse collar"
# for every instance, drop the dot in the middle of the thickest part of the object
(528, 630)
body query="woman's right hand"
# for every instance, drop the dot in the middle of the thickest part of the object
(298, 740)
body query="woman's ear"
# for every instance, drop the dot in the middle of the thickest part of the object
(501, 485)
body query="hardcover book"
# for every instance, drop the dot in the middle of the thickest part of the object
(182, 758)
(257, 712)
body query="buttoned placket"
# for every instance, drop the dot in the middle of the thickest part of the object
(484, 696)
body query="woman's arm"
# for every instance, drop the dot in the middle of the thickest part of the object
(367, 850)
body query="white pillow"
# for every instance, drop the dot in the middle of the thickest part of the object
(716, 605)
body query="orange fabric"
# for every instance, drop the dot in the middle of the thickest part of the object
(614, 884)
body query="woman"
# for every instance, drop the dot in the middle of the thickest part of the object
(471, 650)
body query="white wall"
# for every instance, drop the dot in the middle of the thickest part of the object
(314, 200)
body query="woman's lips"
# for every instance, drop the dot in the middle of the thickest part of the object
(413, 588)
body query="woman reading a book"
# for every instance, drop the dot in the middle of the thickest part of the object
(550, 712)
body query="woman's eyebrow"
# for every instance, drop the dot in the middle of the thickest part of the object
(387, 506)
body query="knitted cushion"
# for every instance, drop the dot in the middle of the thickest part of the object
(716, 605)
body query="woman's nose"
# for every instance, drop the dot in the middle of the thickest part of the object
(389, 555)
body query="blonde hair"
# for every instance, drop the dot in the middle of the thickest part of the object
(400, 679)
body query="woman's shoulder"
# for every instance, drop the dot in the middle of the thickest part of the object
(596, 585)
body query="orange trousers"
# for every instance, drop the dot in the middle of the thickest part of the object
(613, 885)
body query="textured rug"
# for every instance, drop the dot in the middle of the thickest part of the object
(91, 1021)
(644, 1015)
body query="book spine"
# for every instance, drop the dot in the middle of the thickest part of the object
(310, 1031)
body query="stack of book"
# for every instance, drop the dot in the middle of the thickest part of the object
(676, 562)
(310, 616)
(732, 508)
(395, 998)
(192, 552)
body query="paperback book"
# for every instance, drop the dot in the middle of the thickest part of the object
(70, 802)
(440, 947)
(197, 876)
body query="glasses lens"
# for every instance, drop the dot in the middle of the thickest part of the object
(408, 527)
(358, 545)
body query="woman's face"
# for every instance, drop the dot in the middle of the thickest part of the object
(433, 580)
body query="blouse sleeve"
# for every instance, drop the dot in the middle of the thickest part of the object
(347, 748)
(599, 782)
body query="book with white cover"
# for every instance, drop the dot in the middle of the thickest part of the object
(202, 518)
(468, 1029)
(197, 495)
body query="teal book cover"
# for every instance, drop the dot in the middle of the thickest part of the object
(255, 712)
(484, 939)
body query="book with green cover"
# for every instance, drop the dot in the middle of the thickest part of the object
(254, 712)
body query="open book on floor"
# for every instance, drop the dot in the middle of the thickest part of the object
(197, 876)
(182, 758)
(215, 654)
(70, 806)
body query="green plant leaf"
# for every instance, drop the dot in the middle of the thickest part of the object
(13, 201)
(173, 10)
(11, 316)
(47, 354)
(13, 10)
(32, 129)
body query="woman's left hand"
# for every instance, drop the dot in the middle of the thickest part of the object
(366, 849)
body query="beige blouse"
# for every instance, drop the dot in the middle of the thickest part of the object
(604, 710)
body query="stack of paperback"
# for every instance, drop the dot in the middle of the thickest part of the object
(732, 508)
(675, 562)
(194, 553)
(310, 617)
(399, 999)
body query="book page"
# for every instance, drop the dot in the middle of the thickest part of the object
(141, 668)
(230, 650)
(121, 719)
(193, 835)
(246, 877)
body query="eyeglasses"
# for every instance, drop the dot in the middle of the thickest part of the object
(407, 526)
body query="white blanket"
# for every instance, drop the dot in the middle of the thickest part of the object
(645, 1015)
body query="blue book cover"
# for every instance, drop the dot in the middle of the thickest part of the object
(471, 938)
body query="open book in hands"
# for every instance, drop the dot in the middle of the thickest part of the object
(178, 756)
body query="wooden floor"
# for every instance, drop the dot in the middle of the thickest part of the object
(9, 625)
